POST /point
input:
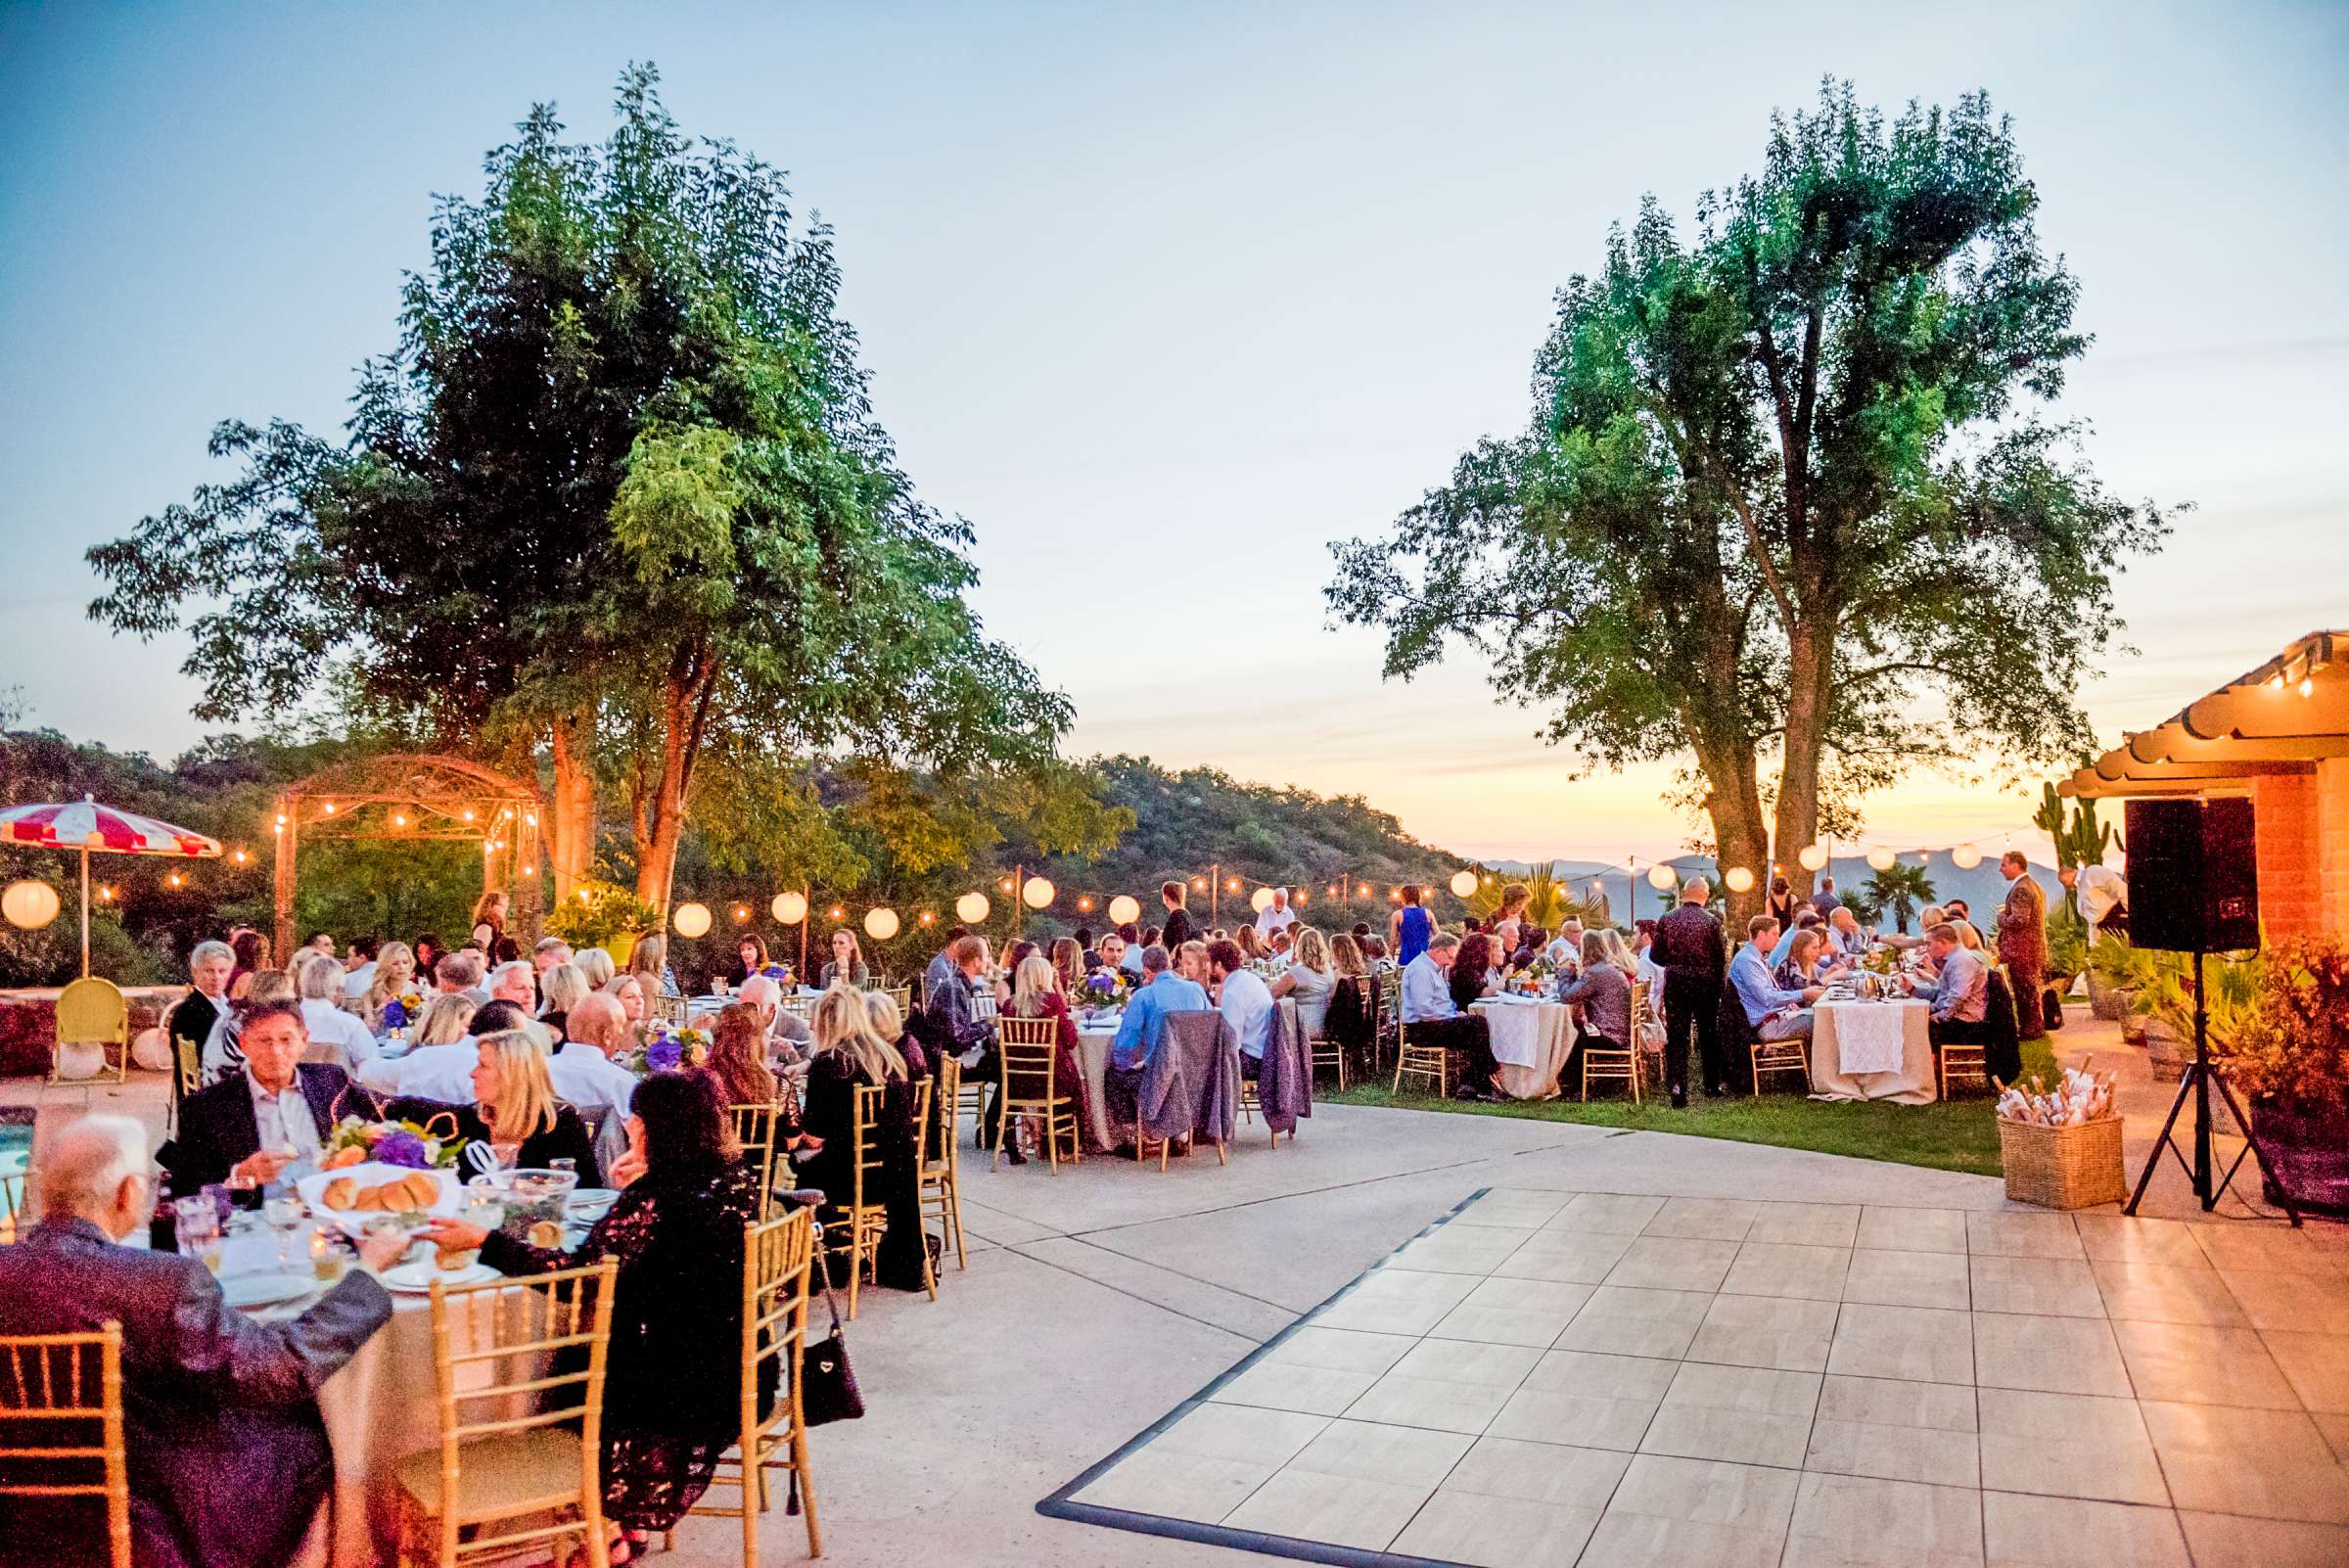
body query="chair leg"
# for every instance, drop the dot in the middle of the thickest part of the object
(799, 1464)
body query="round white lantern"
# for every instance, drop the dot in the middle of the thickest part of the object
(1463, 883)
(1881, 858)
(1965, 858)
(691, 920)
(880, 924)
(972, 907)
(29, 905)
(1261, 900)
(1738, 880)
(1125, 909)
(1663, 878)
(1813, 858)
(790, 908)
(1037, 894)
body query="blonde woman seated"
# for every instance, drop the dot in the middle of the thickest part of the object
(851, 1055)
(516, 1120)
(562, 989)
(395, 977)
(595, 966)
(846, 967)
(628, 990)
(1310, 978)
(1904, 942)
(1036, 994)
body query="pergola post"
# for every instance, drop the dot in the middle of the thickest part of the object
(288, 846)
(526, 915)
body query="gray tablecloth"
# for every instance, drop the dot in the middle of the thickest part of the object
(1191, 1087)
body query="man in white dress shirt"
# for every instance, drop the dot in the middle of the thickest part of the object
(582, 1066)
(2100, 895)
(1431, 1017)
(1277, 915)
(1245, 1003)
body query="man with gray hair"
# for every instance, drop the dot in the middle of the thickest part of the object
(788, 1036)
(580, 1063)
(459, 973)
(228, 1456)
(207, 1003)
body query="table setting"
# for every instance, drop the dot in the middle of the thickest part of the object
(1870, 1042)
(1532, 1038)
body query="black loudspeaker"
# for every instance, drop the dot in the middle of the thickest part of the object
(2193, 875)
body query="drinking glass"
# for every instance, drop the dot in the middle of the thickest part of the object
(326, 1254)
(199, 1219)
(283, 1215)
(563, 1163)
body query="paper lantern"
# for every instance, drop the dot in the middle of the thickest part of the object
(1662, 879)
(1738, 880)
(1813, 858)
(1463, 883)
(971, 908)
(1965, 858)
(788, 908)
(29, 905)
(880, 924)
(1125, 909)
(691, 920)
(1881, 858)
(1037, 894)
(1261, 900)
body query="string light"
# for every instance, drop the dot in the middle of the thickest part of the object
(1006, 884)
(1084, 903)
(928, 918)
(2308, 687)
(330, 808)
(1199, 883)
(1366, 893)
(240, 858)
(175, 879)
(742, 914)
(837, 914)
(399, 819)
(467, 814)
(1231, 884)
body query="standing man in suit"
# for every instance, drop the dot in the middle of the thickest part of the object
(228, 1456)
(1179, 927)
(208, 967)
(2023, 941)
(1689, 949)
(253, 1123)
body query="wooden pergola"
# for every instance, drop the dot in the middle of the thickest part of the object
(429, 799)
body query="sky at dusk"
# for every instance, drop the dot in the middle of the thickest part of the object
(1166, 298)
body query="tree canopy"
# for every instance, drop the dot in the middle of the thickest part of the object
(1790, 489)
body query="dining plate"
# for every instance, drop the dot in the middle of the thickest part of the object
(592, 1200)
(266, 1289)
(416, 1279)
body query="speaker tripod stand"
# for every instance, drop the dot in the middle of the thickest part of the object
(2200, 1075)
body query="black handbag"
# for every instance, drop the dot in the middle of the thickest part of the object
(827, 1382)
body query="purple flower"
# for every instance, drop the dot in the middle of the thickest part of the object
(395, 1015)
(664, 1055)
(399, 1148)
(1097, 981)
(774, 971)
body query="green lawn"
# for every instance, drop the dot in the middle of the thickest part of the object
(1957, 1135)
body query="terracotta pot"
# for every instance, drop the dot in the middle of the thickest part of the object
(2168, 1053)
(2308, 1144)
(2105, 999)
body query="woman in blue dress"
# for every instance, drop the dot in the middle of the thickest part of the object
(1409, 926)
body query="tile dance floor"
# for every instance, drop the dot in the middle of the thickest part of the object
(1544, 1379)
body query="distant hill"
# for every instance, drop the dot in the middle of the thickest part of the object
(1628, 893)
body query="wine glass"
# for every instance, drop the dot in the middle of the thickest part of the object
(282, 1213)
(199, 1228)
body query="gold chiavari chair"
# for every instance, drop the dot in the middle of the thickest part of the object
(499, 1347)
(902, 996)
(754, 1124)
(865, 1217)
(1386, 1017)
(52, 1387)
(1778, 1057)
(1030, 1049)
(777, 1258)
(669, 1010)
(92, 1011)
(12, 1205)
(1604, 1063)
(942, 1163)
(1427, 1064)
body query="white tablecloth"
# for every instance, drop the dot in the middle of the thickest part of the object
(1093, 1054)
(1531, 1040)
(1872, 1051)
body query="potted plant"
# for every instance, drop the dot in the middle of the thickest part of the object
(2289, 1055)
(2116, 971)
(2232, 991)
(602, 914)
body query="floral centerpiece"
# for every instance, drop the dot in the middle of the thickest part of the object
(780, 974)
(401, 1011)
(418, 1145)
(667, 1047)
(1103, 989)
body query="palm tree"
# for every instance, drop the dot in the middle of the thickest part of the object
(1900, 891)
(1553, 901)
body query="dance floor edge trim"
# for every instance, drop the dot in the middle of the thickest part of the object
(1061, 1505)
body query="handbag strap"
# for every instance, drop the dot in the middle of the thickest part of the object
(823, 1272)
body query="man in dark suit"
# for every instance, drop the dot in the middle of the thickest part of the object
(190, 1024)
(251, 1123)
(1179, 927)
(228, 1456)
(1688, 947)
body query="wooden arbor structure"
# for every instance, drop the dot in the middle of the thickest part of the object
(411, 797)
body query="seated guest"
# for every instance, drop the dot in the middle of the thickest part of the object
(597, 967)
(1774, 1012)
(1600, 994)
(1283, 942)
(228, 1458)
(1348, 1021)
(1902, 942)
(459, 974)
(673, 1382)
(1251, 945)
(881, 1012)
(394, 978)
(359, 967)
(935, 975)
(1068, 967)
(1374, 948)
(428, 953)
(1036, 992)
(276, 1109)
(438, 1066)
(951, 1008)
(846, 967)
(634, 1005)
(648, 961)
(1810, 960)
(1845, 939)
(788, 1037)
(579, 1063)
(1473, 976)
(550, 952)
(319, 980)
(1085, 954)
(1111, 954)
(1019, 953)
(561, 988)
(1957, 913)
(850, 1055)
(190, 1024)
(1431, 1017)
(1139, 1030)
(251, 950)
(1190, 962)
(738, 1057)
(1644, 959)
(750, 958)
(515, 981)
(1960, 994)
(1245, 1003)
(516, 1120)
(1805, 920)
(1148, 937)
(222, 1056)
(1309, 978)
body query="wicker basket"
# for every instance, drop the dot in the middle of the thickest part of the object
(2064, 1167)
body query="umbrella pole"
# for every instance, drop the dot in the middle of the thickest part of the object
(85, 911)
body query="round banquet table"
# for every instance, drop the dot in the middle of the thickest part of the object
(1872, 1051)
(1531, 1041)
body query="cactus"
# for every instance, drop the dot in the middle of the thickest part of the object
(2080, 838)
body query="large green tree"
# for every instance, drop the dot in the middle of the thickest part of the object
(619, 491)
(1790, 492)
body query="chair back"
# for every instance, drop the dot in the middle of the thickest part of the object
(506, 1356)
(92, 1010)
(871, 1100)
(902, 996)
(1641, 1017)
(1030, 1051)
(11, 1204)
(776, 1259)
(191, 1064)
(755, 1130)
(940, 1151)
(670, 1009)
(58, 1393)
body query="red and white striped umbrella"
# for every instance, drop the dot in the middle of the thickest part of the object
(108, 830)
(83, 826)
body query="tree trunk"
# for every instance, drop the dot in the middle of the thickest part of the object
(1811, 660)
(660, 819)
(1733, 803)
(573, 842)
